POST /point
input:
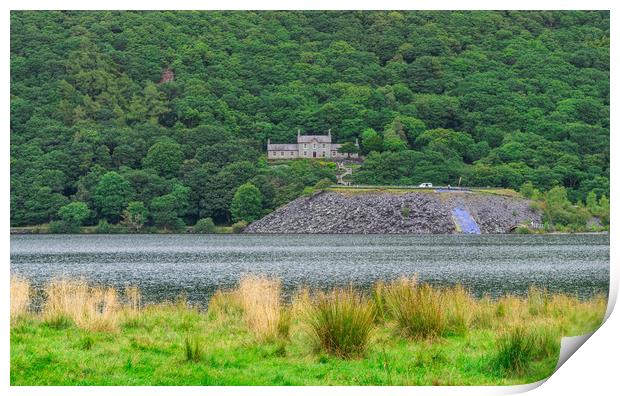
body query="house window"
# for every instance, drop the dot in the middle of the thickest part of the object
(305, 145)
(323, 145)
(291, 153)
(333, 153)
(314, 145)
(282, 153)
(305, 153)
(323, 154)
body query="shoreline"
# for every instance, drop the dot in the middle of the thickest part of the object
(37, 230)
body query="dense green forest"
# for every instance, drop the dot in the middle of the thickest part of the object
(158, 118)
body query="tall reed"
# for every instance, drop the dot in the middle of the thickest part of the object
(459, 308)
(93, 308)
(341, 322)
(260, 298)
(224, 305)
(20, 296)
(416, 308)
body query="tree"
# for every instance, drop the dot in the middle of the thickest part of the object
(348, 148)
(165, 157)
(204, 226)
(246, 204)
(42, 205)
(111, 196)
(135, 215)
(164, 212)
(73, 215)
(525, 94)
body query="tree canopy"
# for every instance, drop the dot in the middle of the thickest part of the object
(173, 109)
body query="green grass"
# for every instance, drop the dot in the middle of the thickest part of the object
(173, 344)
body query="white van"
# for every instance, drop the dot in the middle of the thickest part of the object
(426, 185)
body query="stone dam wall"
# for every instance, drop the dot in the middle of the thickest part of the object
(424, 212)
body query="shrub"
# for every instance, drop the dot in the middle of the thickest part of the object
(204, 226)
(416, 308)
(73, 215)
(262, 308)
(522, 229)
(323, 184)
(59, 227)
(103, 227)
(406, 211)
(193, 349)
(308, 191)
(20, 296)
(341, 322)
(239, 226)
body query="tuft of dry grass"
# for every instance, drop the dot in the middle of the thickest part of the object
(92, 308)
(131, 307)
(300, 302)
(224, 305)
(538, 301)
(483, 312)
(416, 309)
(459, 307)
(260, 298)
(133, 298)
(20, 296)
(341, 322)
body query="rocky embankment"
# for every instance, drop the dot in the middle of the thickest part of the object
(424, 212)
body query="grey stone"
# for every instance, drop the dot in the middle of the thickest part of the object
(382, 213)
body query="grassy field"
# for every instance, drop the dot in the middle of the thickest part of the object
(403, 333)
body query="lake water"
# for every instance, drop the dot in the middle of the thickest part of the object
(165, 266)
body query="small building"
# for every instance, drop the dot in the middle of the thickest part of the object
(308, 146)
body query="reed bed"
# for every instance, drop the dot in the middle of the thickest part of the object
(264, 313)
(20, 297)
(92, 308)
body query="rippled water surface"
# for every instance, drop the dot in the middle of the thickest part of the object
(165, 266)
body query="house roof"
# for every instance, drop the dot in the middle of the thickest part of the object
(282, 147)
(318, 138)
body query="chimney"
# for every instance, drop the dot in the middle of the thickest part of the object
(329, 132)
(356, 142)
(268, 142)
(298, 132)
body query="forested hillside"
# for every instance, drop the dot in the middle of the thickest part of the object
(159, 117)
